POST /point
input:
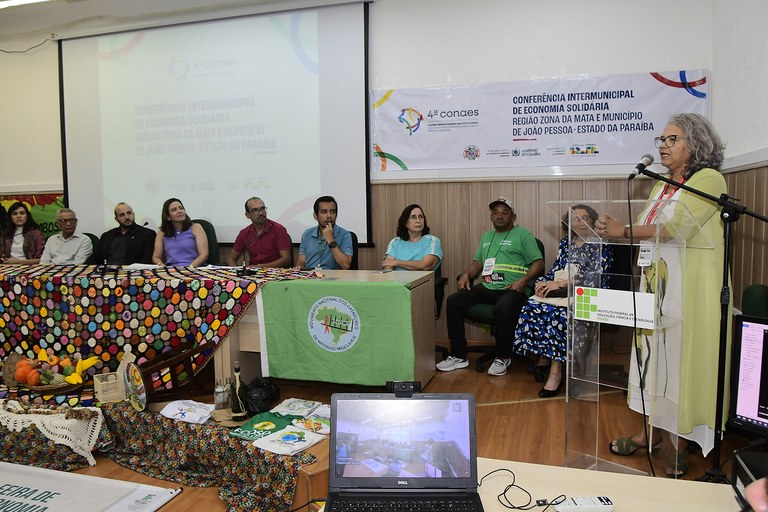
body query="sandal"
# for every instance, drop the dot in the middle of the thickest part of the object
(540, 372)
(627, 446)
(677, 466)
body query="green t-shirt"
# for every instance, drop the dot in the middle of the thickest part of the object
(514, 251)
(263, 424)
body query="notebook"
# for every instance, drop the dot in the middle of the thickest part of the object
(402, 449)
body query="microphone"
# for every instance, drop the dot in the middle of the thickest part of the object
(639, 168)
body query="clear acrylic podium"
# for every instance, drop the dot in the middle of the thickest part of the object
(602, 312)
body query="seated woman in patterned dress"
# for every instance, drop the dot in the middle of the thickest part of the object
(543, 325)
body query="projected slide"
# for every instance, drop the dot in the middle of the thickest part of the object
(214, 113)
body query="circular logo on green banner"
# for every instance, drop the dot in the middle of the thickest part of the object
(334, 324)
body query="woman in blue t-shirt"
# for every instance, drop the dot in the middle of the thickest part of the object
(413, 248)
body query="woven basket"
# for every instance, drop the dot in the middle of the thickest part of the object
(54, 389)
(9, 369)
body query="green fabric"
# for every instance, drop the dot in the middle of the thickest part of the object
(514, 251)
(371, 349)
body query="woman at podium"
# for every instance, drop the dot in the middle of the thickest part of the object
(680, 398)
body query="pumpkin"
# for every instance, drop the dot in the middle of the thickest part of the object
(22, 372)
(33, 379)
(54, 360)
(65, 362)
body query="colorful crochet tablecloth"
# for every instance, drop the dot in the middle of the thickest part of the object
(203, 456)
(83, 308)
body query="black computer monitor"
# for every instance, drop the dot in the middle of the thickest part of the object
(749, 376)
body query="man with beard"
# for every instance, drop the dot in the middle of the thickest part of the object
(326, 245)
(127, 243)
(266, 241)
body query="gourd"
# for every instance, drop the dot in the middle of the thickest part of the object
(33, 378)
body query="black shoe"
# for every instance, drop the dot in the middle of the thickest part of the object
(540, 372)
(549, 393)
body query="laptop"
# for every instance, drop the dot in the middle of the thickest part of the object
(413, 453)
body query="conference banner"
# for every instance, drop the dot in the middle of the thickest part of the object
(334, 331)
(562, 126)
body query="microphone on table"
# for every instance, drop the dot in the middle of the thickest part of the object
(639, 168)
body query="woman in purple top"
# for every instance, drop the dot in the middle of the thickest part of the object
(179, 242)
(22, 240)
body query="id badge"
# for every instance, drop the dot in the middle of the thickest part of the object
(645, 255)
(488, 266)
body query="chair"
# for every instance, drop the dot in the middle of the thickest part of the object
(354, 264)
(213, 244)
(483, 314)
(754, 300)
(95, 242)
(173, 372)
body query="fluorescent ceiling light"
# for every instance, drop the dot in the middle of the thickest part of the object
(14, 3)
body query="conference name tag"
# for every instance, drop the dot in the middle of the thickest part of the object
(645, 256)
(488, 266)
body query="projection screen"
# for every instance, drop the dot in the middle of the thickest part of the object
(215, 112)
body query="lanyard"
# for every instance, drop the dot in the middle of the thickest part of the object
(499, 247)
(662, 202)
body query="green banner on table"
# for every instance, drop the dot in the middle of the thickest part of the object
(337, 331)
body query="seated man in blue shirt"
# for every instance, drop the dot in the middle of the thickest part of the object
(326, 245)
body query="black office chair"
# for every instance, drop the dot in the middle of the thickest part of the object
(354, 265)
(95, 242)
(482, 314)
(213, 244)
(754, 300)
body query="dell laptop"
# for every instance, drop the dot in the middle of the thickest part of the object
(403, 453)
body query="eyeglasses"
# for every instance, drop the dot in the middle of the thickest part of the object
(263, 209)
(66, 221)
(667, 142)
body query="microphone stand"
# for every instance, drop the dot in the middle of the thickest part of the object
(730, 212)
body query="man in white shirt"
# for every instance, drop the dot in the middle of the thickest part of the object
(66, 247)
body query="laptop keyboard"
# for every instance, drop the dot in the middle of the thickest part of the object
(405, 505)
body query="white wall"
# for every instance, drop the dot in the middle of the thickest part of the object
(429, 42)
(740, 80)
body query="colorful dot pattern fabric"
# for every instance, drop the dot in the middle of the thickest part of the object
(66, 309)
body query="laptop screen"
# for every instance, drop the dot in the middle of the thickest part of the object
(381, 441)
(749, 375)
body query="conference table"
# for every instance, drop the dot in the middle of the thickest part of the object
(349, 326)
(629, 493)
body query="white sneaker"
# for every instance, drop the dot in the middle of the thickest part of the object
(499, 367)
(451, 363)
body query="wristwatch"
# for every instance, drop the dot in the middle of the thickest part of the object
(333, 244)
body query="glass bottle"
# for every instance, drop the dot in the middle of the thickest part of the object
(221, 395)
(237, 395)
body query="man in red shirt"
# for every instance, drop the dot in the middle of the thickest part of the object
(266, 241)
